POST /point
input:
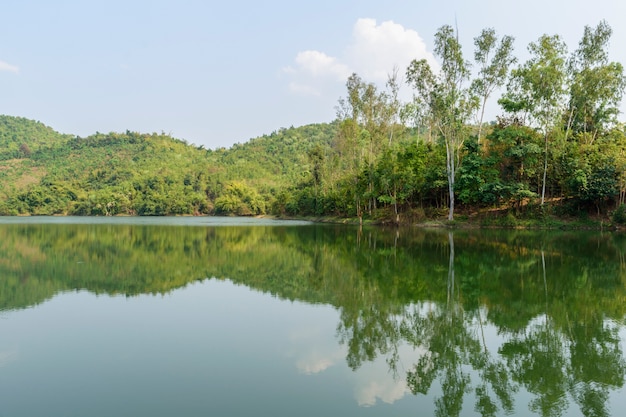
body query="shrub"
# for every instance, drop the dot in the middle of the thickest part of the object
(619, 215)
(508, 221)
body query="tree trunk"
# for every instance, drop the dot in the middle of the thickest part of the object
(545, 170)
(480, 123)
(450, 172)
(395, 204)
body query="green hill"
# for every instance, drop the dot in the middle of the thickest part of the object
(43, 172)
(19, 137)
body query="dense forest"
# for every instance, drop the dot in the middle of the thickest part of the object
(557, 149)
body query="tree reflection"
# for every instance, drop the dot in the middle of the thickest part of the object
(554, 300)
(568, 353)
(597, 365)
(536, 361)
(454, 349)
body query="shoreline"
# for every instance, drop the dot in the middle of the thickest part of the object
(462, 222)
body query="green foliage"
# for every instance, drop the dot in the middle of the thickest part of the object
(597, 84)
(150, 174)
(619, 215)
(20, 137)
(509, 220)
(239, 199)
(494, 60)
(478, 182)
(446, 100)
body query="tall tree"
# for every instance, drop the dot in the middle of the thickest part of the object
(373, 115)
(348, 138)
(597, 85)
(445, 98)
(494, 60)
(393, 102)
(538, 87)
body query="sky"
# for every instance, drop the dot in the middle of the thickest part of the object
(218, 73)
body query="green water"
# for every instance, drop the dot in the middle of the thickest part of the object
(230, 317)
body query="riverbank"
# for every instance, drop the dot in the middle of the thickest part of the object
(485, 219)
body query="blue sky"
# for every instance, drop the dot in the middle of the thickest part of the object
(217, 73)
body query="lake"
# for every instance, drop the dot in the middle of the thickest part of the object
(247, 317)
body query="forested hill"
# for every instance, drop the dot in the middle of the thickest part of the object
(43, 172)
(19, 137)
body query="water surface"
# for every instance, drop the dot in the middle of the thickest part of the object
(139, 317)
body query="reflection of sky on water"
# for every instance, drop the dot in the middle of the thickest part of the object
(316, 352)
(232, 346)
(7, 356)
(375, 382)
(312, 350)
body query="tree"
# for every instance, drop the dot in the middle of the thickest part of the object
(369, 116)
(516, 152)
(494, 60)
(399, 174)
(316, 159)
(393, 102)
(25, 150)
(348, 139)
(239, 199)
(537, 88)
(597, 85)
(444, 99)
(478, 182)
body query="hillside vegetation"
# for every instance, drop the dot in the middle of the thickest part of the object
(146, 174)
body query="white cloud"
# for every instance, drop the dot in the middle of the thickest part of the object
(318, 64)
(377, 49)
(314, 350)
(376, 383)
(388, 392)
(5, 66)
(373, 53)
(313, 70)
(314, 362)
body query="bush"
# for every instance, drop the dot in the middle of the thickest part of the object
(508, 221)
(619, 215)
